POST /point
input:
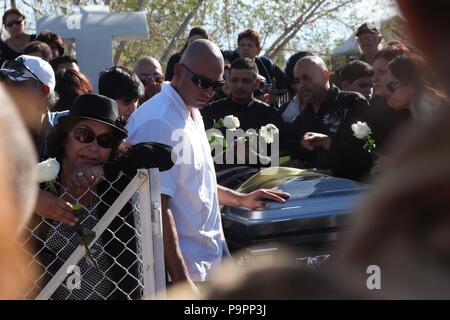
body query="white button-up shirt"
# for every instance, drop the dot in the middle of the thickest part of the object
(191, 184)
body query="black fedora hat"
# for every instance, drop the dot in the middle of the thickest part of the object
(98, 108)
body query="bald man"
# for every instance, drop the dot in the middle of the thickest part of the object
(150, 73)
(322, 132)
(190, 194)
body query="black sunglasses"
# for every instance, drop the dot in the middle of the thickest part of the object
(393, 86)
(85, 135)
(14, 22)
(18, 68)
(201, 81)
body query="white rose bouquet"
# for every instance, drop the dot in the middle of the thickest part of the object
(362, 131)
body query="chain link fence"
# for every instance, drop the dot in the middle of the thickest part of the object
(115, 252)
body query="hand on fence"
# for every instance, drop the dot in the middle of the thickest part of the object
(51, 207)
(85, 178)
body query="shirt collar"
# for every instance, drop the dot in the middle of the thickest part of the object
(179, 104)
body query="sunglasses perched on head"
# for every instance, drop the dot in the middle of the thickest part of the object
(201, 81)
(14, 22)
(85, 135)
(393, 86)
(156, 77)
(17, 68)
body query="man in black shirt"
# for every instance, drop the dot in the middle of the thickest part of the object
(252, 113)
(322, 136)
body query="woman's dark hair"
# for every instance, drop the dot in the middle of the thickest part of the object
(120, 83)
(41, 47)
(55, 62)
(289, 68)
(390, 52)
(13, 11)
(52, 39)
(69, 85)
(412, 69)
(56, 141)
(199, 31)
(195, 31)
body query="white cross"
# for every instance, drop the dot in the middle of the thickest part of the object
(94, 28)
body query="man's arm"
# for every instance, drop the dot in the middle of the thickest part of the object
(254, 200)
(172, 253)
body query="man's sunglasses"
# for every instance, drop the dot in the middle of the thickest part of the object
(17, 68)
(156, 78)
(14, 22)
(85, 135)
(393, 86)
(201, 81)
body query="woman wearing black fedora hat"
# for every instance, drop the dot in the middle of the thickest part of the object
(85, 142)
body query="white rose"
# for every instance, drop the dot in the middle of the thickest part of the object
(267, 132)
(361, 130)
(48, 170)
(231, 122)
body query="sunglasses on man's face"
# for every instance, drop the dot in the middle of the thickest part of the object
(14, 22)
(156, 78)
(85, 135)
(201, 81)
(393, 86)
(17, 68)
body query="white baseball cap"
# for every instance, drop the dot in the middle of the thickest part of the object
(27, 67)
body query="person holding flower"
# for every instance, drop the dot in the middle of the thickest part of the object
(85, 143)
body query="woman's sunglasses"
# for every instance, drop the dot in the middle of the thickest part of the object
(14, 22)
(85, 135)
(393, 86)
(201, 81)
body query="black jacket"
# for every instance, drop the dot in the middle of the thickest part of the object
(347, 158)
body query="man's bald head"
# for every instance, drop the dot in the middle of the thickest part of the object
(149, 71)
(314, 61)
(145, 64)
(203, 51)
(311, 77)
(202, 59)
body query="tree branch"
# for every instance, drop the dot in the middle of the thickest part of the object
(181, 29)
(139, 7)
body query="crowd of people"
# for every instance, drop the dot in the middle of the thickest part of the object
(140, 115)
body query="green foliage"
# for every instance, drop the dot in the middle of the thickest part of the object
(224, 19)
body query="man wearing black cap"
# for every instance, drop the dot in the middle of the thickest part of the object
(369, 39)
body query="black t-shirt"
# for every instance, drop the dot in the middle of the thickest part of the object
(7, 53)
